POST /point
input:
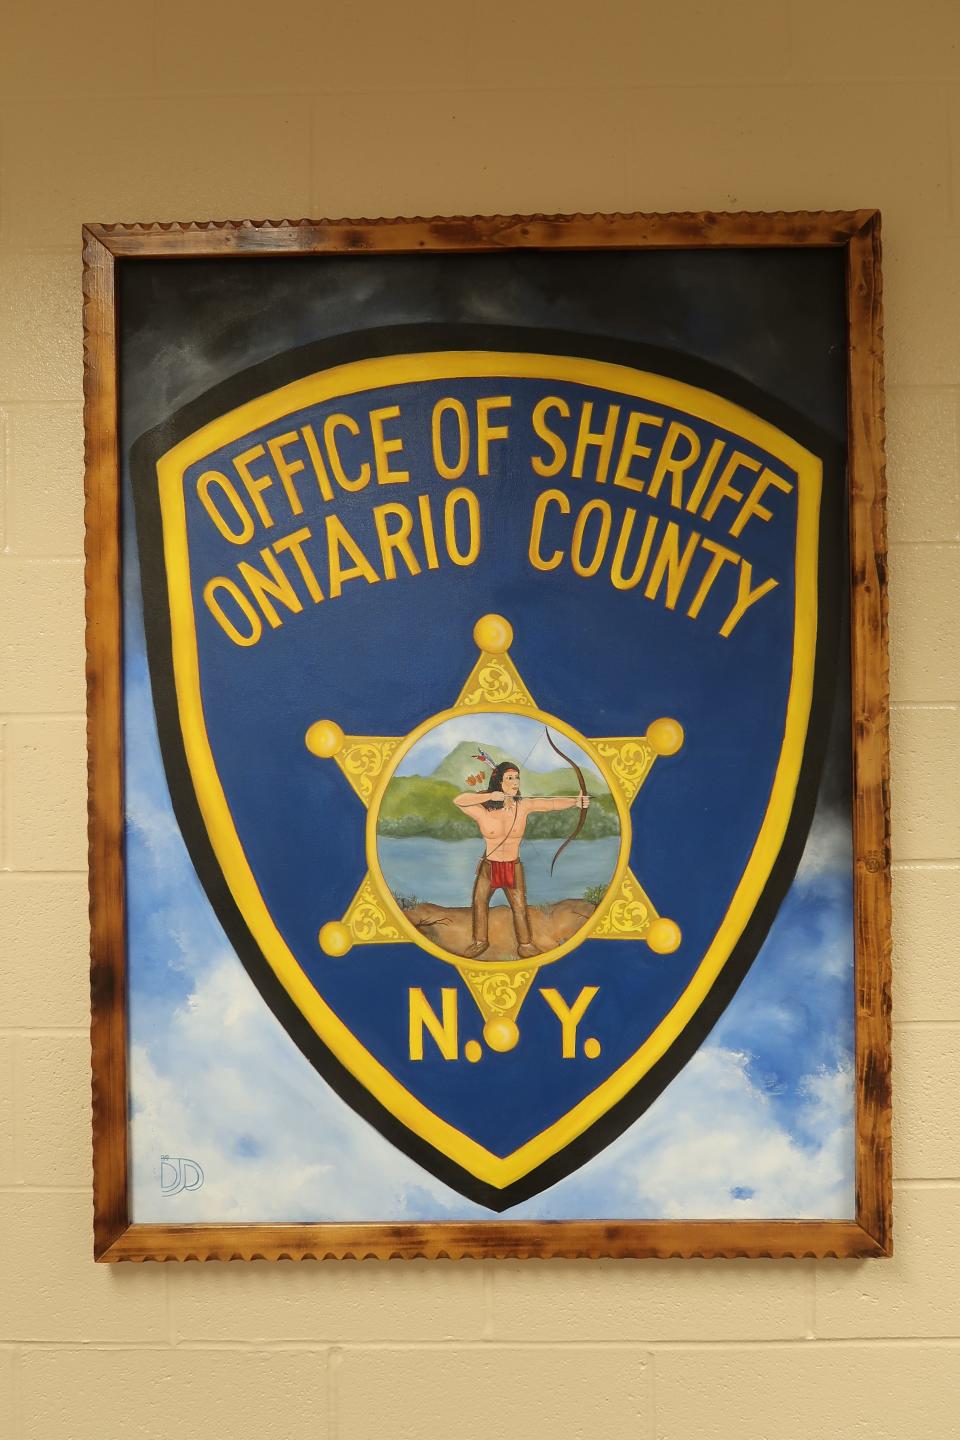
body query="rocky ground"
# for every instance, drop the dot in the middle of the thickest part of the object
(451, 928)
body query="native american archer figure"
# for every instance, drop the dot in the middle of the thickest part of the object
(503, 821)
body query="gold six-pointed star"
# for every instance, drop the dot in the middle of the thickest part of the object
(374, 916)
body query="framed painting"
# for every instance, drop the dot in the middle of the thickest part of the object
(488, 763)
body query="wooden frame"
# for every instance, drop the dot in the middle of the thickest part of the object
(107, 247)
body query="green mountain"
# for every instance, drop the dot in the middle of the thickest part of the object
(559, 780)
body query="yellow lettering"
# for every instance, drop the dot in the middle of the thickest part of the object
(601, 508)
(547, 469)
(745, 597)
(462, 496)
(631, 449)
(457, 408)
(316, 460)
(671, 563)
(548, 497)
(276, 584)
(294, 544)
(752, 506)
(444, 1032)
(285, 468)
(705, 476)
(487, 432)
(213, 477)
(383, 448)
(331, 425)
(668, 463)
(620, 581)
(220, 582)
(721, 557)
(723, 490)
(395, 540)
(255, 483)
(569, 1016)
(602, 439)
(339, 537)
(429, 539)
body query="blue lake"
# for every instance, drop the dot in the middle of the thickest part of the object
(442, 871)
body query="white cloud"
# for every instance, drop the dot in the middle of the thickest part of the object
(714, 1145)
(226, 1088)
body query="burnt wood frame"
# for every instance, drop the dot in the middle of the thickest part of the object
(115, 1238)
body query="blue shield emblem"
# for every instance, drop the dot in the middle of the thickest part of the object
(487, 677)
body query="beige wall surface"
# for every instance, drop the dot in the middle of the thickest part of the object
(219, 108)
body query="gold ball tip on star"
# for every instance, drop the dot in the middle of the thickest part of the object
(335, 938)
(501, 1034)
(473, 1051)
(324, 738)
(493, 634)
(666, 736)
(664, 936)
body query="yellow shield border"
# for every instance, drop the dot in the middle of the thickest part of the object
(496, 1171)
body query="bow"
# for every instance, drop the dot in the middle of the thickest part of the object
(583, 790)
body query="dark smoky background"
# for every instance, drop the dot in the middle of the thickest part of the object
(774, 317)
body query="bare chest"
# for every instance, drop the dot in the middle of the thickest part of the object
(498, 824)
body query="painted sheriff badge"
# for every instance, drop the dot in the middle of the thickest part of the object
(464, 816)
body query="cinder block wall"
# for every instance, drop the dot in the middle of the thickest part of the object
(218, 108)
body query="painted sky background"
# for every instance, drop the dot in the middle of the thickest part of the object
(760, 1122)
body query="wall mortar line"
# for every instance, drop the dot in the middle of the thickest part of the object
(334, 1363)
(489, 1300)
(811, 1298)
